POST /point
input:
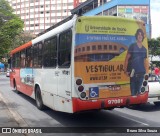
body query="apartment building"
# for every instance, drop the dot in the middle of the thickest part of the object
(38, 15)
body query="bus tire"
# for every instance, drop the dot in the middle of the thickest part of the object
(39, 102)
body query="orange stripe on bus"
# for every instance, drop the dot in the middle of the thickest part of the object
(21, 47)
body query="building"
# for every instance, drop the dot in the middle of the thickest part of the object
(38, 15)
(137, 9)
(98, 51)
(78, 2)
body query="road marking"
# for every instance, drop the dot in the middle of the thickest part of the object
(135, 120)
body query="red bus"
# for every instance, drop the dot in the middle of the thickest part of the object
(80, 65)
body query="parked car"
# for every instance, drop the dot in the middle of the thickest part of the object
(154, 89)
(8, 73)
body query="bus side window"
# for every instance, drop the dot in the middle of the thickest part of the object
(29, 61)
(23, 58)
(67, 60)
(64, 49)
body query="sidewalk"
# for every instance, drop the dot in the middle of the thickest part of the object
(6, 118)
(10, 118)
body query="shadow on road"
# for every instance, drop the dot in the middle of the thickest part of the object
(94, 118)
(148, 107)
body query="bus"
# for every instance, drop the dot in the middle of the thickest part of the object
(78, 65)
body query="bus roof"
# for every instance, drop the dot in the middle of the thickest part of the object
(55, 30)
(21, 47)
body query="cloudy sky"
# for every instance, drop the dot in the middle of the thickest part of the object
(155, 18)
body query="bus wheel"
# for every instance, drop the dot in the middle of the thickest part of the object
(39, 101)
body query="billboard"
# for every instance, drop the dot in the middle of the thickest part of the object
(136, 12)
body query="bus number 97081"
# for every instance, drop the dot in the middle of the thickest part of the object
(115, 101)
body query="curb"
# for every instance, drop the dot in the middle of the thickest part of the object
(15, 116)
(19, 120)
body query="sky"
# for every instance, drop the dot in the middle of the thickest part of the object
(155, 18)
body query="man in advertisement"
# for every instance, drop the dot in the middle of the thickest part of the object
(135, 63)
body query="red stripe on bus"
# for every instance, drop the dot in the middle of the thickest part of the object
(26, 45)
(81, 105)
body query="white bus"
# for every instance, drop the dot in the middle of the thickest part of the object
(78, 65)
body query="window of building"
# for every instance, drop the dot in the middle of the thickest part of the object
(105, 47)
(31, 1)
(93, 47)
(99, 47)
(115, 47)
(88, 48)
(79, 49)
(31, 25)
(110, 47)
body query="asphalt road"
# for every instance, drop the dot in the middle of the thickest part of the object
(25, 110)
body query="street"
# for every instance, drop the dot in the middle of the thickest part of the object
(25, 112)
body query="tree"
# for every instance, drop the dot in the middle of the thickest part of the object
(22, 38)
(154, 49)
(10, 26)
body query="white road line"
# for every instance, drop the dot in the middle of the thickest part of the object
(135, 120)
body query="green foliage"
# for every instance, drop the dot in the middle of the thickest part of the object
(5, 7)
(22, 38)
(4, 43)
(13, 27)
(10, 26)
(154, 49)
(154, 46)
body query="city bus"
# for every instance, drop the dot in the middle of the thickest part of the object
(78, 65)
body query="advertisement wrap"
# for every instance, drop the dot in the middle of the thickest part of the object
(101, 52)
